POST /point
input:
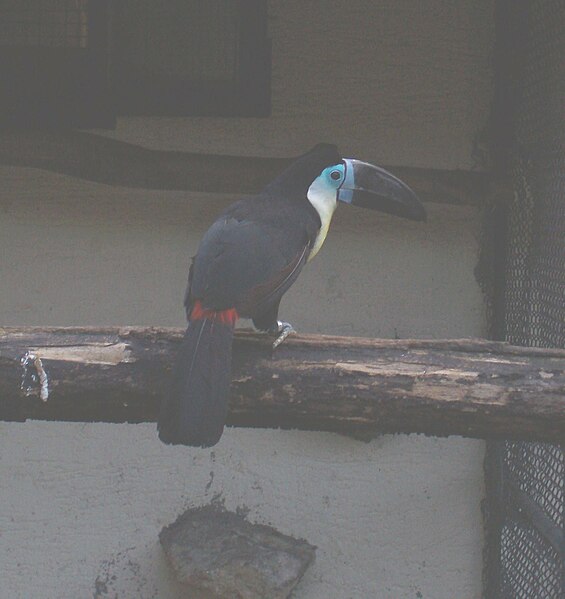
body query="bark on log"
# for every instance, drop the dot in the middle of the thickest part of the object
(354, 386)
(97, 158)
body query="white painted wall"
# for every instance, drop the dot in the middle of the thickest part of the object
(76, 252)
(85, 502)
(81, 505)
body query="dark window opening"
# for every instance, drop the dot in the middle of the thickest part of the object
(191, 58)
(79, 63)
(53, 64)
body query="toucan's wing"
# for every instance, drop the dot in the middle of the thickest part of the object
(247, 262)
(264, 295)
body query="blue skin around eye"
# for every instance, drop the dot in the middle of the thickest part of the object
(327, 175)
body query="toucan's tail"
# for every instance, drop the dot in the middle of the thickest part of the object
(195, 410)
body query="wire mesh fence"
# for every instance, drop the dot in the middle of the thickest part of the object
(526, 557)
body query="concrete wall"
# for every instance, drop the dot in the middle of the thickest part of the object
(81, 504)
(85, 502)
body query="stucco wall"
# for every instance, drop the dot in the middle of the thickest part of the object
(81, 504)
(396, 519)
(76, 252)
(85, 502)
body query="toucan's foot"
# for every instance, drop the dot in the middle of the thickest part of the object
(282, 330)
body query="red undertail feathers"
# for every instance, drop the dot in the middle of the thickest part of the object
(227, 317)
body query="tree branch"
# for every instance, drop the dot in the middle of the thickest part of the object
(97, 158)
(350, 385)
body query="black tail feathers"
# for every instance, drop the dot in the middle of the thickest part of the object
(195, 410)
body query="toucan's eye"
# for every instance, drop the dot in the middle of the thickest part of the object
(335, 175)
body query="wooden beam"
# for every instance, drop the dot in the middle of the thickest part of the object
(349, 385)
(97, 158)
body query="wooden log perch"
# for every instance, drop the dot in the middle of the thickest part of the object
(97, 158)
(349, 385)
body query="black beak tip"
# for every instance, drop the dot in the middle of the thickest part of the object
(420, 213)
(409, 207)
(414, 209)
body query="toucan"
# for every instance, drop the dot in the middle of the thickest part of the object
(245, 263)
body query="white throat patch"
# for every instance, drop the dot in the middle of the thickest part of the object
(324, 200)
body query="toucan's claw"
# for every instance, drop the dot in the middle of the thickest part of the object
(283, 330)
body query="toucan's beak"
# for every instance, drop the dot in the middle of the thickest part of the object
(372, 187)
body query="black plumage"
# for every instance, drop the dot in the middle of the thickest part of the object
(245, 263)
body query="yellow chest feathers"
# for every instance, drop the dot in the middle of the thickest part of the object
(324, 201)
